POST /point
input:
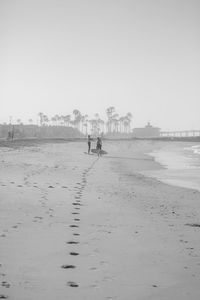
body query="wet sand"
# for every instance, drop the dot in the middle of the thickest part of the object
(73, 226)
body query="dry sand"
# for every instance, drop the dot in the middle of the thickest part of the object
(73, 226)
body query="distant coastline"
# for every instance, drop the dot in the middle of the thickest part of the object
(30, 141)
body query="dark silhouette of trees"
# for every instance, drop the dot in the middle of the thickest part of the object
(114, 125)
(117, 124)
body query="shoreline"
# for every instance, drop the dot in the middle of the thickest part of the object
(178, 166)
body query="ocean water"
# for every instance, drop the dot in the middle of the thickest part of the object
(181, 164)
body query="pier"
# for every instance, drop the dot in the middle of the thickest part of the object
(180, 134)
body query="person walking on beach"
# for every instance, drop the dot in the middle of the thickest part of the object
(89, 143)
(99, 146)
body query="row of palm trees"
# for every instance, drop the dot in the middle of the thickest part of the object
(116, 123)
(95, 125)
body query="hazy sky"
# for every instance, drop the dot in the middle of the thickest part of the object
(140, 56)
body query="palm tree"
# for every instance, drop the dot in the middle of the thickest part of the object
(101, 125)
(129, 118)
(67, 119)
(109, 111)
(56, 117)
(126, 124)
(77, 118)
(94, 126)
(85, 123)
(45, 120)
(62, 120)
(115, 122)
(121, 121)
(98, 123)
(76, 113)
(41, 115)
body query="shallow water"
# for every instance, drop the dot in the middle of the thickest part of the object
(181, 164)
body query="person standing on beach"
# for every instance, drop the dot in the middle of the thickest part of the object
(89, 143)
(99, 145)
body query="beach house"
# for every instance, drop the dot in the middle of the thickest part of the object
(148, 131)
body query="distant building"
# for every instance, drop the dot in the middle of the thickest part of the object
(146, 132)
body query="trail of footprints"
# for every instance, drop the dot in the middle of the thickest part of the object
(76, 205)
(4, 283)
(31, 185)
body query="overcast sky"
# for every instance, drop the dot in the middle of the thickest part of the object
(141, 56)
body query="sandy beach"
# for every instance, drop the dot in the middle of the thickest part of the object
(77, 227)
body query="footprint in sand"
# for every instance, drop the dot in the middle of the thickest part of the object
(3, 297)
(76, 234)
(73, 226)
(182, 241)
(74, 253)
(40, 218)
(72, 284)
(68, 267)
(193, 225)
(5, 284)
(50, 187)
(93, 269)
(76, 219)
(75, 213)
(72, 242)
(76, 203)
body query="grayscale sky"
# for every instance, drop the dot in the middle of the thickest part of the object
(141, 56)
